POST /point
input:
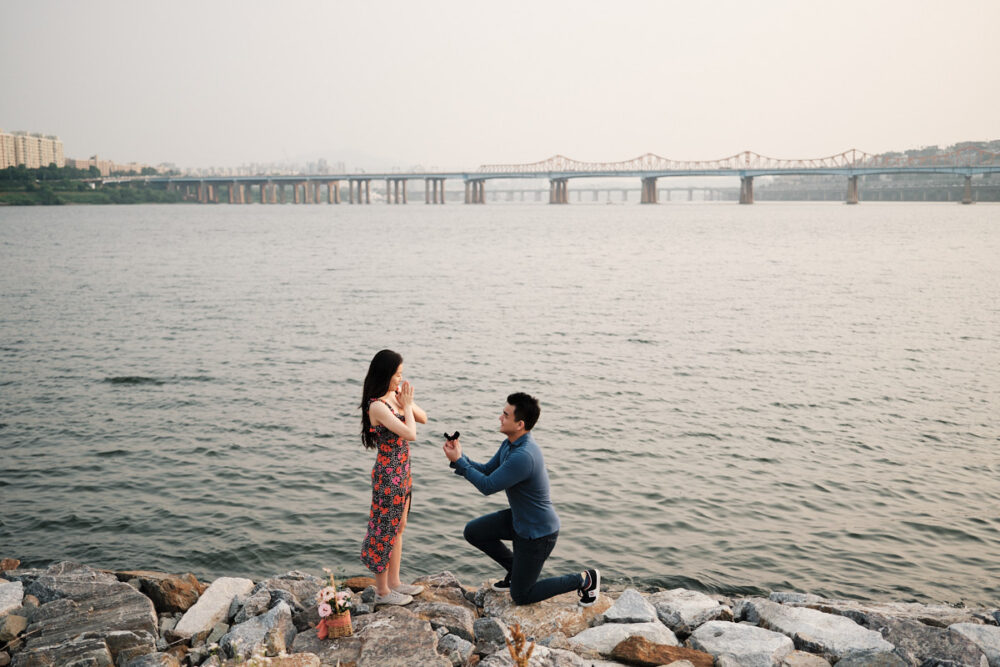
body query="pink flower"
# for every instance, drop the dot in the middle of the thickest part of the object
(325, 610)
(327, 594)
(395, 480)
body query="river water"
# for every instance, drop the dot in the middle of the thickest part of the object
(734, 398)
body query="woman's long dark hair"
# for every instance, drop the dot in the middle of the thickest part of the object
(380, 372)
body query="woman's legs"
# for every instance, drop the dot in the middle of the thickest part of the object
(396, 557)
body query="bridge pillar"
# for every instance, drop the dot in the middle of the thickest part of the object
(746, 189)
(263, 193)
(388, 191)
(852, 190)
(317, 194)
(967, 192)
(213, 193)
(295, 187)
(368, 191)
(232, 192)
(558, 191)
(648, 191)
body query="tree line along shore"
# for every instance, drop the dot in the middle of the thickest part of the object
(74, 614)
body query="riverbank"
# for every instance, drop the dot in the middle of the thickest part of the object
(71, 612)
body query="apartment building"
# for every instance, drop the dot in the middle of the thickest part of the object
(32, 150)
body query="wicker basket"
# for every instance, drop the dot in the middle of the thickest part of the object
(335, 625)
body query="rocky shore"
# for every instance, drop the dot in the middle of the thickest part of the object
(73, 615)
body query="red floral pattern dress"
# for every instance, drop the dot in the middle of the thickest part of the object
(392, 486)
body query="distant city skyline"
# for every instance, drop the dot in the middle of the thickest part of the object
(448, 85)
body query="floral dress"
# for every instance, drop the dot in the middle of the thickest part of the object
(391, 488)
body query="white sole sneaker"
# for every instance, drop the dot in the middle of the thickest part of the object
(393, 598)
(407, 589)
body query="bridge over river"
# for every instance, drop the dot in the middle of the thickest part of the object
(559, 170)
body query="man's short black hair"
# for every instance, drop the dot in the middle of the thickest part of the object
(525, 409)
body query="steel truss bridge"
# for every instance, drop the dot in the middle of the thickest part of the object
(559, 170)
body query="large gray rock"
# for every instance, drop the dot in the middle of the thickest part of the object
(542, 656)
(548, 621)
(683, 610)
(254, 604)
(92, 652)
(395, 637)
(834, 637)
(929, 614)
(212, 607)
(986, 637)
(301, 585)
(803, 659)
(272, 632)
(11, 595)
(630, 607)
(602, 639)
(338, 651)
(455, 649)
(883, 659)
(491, 635)
(741, 644)
(88, 615)
(69, 580)
(458, 620)
(154, 660)
(919, 644)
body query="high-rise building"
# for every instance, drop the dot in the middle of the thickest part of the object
(7, 158)
(32, 150)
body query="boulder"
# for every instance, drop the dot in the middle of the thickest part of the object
(87, 615)
(358, 584)
(803, 659)
(272, 632)
(630, 607)
(741, 644)
(541, 656)
(455, 649)
(396, 637)
(641, 651)
(603, 639)
(211, 608)
(255, 604)
(154, 660)
(68, 580)
(338, 651)
(986, 637)
(11, 626)
(491, 635)
(918, 643)
(11, 596)
(832, 636)
(457, 619)
(929, 614)
(170, 593)
(683, 610)
(92, 652)
(882, 659)
(302, 585)
(546, 621)
(444, 587)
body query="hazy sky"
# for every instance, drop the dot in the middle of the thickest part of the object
(455, 84)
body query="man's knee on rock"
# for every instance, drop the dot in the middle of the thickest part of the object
(469, 533)
(519, 598)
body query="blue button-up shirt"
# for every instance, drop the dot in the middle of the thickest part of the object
(519, 469)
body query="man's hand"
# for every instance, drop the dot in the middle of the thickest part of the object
(453, 450)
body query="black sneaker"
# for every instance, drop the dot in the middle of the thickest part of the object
(503, 585)
(590, 591)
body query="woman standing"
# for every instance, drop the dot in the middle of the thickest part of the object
(388, 424)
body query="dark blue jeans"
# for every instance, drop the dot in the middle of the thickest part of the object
(524, 564)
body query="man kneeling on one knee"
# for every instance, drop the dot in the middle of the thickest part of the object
(530, 523)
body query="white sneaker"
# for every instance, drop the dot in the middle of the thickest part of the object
(407, 589)
(393, 598)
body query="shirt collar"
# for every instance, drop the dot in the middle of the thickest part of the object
(522, 440)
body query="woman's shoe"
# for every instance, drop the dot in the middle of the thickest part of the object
(407, 589)
(393, 598)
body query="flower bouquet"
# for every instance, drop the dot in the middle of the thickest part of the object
(334, 609)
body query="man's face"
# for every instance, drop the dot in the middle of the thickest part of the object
(508, 423)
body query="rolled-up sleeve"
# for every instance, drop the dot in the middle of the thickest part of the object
(516, 468)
